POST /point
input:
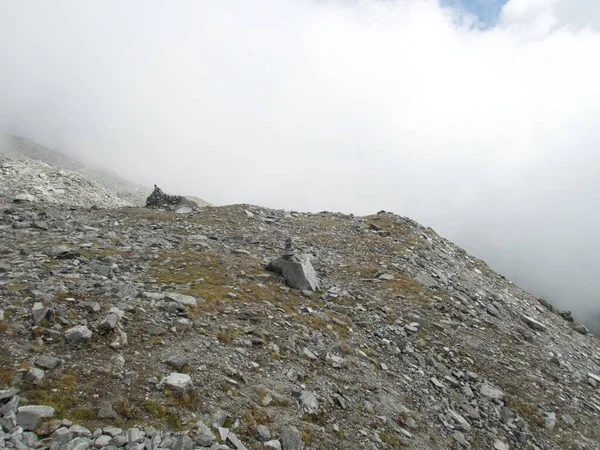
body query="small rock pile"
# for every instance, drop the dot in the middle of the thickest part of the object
(177, 203)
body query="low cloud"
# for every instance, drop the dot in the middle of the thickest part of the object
(489, 135)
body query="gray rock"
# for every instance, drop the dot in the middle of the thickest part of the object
(35, 375)
(7, 393)
(102, 441)
(79, 431)
(297, 271)
(11, 406)
(79, 443)
(533, 324)
(109, 323)
(77, 335)
(427, 280)
(310, 404)
(487, 390)
(501, 445)
(39, 312)
(24, 198)
(184, 442)
(204, 439)
(568, 420)
(186, 300)
(47, 362)
(274, 444)
(178, 382)
(61, 436)
(177, 361)
(580, 328)
(550, 420)
(262, 433)
(106, 411)
(112, 431)
(234, 440)
(290, 438)
(30, 416)
(134, 435)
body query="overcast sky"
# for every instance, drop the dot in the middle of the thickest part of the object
(479, 118)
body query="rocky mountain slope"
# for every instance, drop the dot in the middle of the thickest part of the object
(140, 328)
(16, 147)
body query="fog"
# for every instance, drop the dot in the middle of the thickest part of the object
(488, 133)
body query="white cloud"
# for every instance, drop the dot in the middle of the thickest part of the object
(543, 16)
(490, 137)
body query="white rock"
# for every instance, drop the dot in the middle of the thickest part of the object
(179, 382)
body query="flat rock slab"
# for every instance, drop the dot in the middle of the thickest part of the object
(533, 324)
(30, 416)
(186, 300)
(179, 382)
(47, 362)
(489, 391)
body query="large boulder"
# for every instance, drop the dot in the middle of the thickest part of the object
(158, 199)
(297, 271)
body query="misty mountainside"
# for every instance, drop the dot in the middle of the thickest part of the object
(20, 148)
(141, 328)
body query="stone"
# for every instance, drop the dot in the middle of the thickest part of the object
(183, 442)
(61, 435)
(290, 438)
(47, 428)
(35, 375)
(297, 271)
(568, 420)
(550, 421)
(79, 443)
(500, 445)
(234, 440)
(309, 354)
(487, 390)
(533, 324)
(30, 416)
(186, 300)
(109, 323)
(427, 280)
(11, 406)
(39, 312)
(274, 444)
(112, 431)
(102, 441)
(262, 433)
(106, 411)
(567, 315)
(8, 393)
(79, 431)
(77, 335)
(459, 437)
(309, 402)
(47, 362)
(581, 328)
(178, 382)
(24, 198)
(177, 361)
(134, 435)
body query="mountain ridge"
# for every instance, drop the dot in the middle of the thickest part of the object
(151, 329)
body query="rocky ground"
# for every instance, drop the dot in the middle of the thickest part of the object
(140, 328)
